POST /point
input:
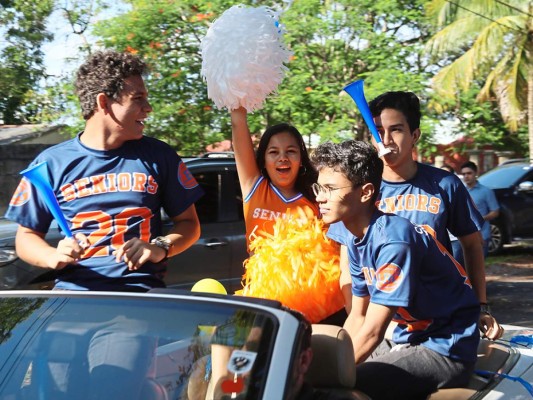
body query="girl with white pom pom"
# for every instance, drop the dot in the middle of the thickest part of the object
(243, 62)
(243, 57)
(274, 180)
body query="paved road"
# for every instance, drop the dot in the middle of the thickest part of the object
(510, 288)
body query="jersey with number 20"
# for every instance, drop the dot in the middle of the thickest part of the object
(111, 197)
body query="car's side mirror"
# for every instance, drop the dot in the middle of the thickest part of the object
(526, 187)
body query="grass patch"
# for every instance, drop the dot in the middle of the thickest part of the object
(518, 253)
(508, 259)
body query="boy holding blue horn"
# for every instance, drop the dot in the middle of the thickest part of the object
(111, 182)
(426, 195)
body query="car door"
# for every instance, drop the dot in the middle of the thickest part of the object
(522, 204)
(221, 249)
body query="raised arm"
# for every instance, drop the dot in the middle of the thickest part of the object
(244, 150)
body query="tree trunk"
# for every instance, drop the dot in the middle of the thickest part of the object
(530, 111)
(529, 55)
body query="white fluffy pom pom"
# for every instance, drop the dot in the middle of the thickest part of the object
(243, 57)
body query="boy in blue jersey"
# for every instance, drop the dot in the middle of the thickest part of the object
(111, 182)
(426, 195)
(398, 272)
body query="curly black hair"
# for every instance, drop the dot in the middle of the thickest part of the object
(357, 160)
(104, 72)
(308, 174)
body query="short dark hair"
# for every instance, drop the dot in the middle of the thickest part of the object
(405, 102)
(104, 72)
(470, 164)
(357, 160)
(308, 174)
(448, 168)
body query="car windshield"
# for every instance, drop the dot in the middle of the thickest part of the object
(500, 178)
(128, 347)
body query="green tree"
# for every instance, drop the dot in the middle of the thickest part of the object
(489, 42)
(22, 25)
(167, 34)
(334, 43)
(480, 121)
(27, 93)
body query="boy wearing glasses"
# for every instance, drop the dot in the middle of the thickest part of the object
(399, 272)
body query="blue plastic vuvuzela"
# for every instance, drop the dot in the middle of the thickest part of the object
(38, 176)
(356, 92)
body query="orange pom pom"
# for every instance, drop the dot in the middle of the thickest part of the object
(296, 265)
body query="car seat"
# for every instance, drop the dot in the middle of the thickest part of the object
(332, 369)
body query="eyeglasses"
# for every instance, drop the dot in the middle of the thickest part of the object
(318, 189)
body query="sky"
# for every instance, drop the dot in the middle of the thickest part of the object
(61, 54)
(64, 45)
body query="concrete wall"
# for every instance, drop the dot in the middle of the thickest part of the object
(51, 137)
(13, 159)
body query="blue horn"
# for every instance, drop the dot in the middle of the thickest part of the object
(38, 176)
(355, 90)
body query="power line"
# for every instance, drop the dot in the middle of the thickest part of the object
(484, 16)
(514, 8)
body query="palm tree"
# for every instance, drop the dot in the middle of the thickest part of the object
(489, 41)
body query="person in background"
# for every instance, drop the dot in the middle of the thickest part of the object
(301, 389)
(426, 195)
(207, 377)
(484, 198)
(399, 272)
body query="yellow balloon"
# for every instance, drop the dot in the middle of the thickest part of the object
(209, 285)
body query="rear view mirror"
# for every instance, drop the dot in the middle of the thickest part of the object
(525, 187)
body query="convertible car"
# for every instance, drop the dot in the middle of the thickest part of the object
(170, 345)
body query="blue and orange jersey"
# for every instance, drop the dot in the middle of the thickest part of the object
(433, 198)
(265, 204)
(400, 264)
(110, 196)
